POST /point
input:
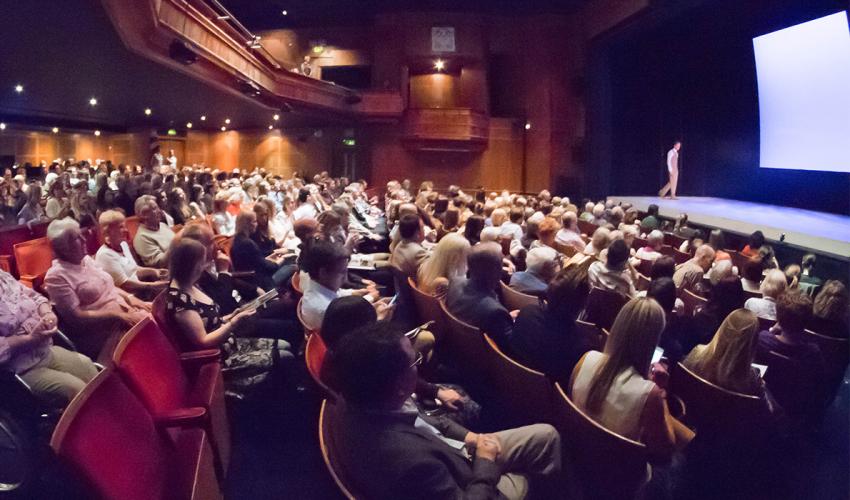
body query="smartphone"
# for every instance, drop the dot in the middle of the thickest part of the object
(656, 356)
(762, 369)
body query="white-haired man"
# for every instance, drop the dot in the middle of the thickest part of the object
(541, 265)
(153, 237)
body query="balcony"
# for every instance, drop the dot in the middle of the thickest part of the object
(455, 129)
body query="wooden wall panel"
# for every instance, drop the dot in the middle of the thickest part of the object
(37, 146)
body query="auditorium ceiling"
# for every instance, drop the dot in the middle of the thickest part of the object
(269, 14)
(66, 52)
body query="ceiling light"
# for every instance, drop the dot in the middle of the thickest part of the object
(55, 130)
(285, 13)
(93, 101)
(203, 118)
(189, 125)
(227, 121)
(527, 125)
(276, 117)
(97, 133)
(19, 88)
(271, 127)
(148, 111)
(224, 129)
(439, 64)
(2, 126)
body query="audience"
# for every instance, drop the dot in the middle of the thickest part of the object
(831, 311)
(689, 274)
(541, 265)
(153, 237)
(391, 451)
(755, 243)
(409, 254)
(569, 233)
(446, 263)
(771, 288)
(615, 274)
(652, 250)
(115, 257)
(247, 255)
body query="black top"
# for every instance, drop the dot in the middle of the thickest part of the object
(264, 242)
(176, 301)
(547, 343)
(247, 256)
(226, 291)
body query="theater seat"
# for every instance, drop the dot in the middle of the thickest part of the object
(428, 308)
(513, 299)
(464, 344)
(525, 395)
(166, 327)
(314, 357)
(11, 236)
(327, 444)
(603, 306)
(307, 330)
(110, 441)
(167, 382)
(33, 259)
(607, 464)
(692, 301)
(132, 224)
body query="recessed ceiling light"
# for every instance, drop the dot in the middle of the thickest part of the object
(148, 111)
(227, 121)
(203, 118)
(284, 12)
(527, 125)
(439, 64)
(271, 127)
(93, 101)
(55, 130)
(2, 126)
(224, 129)
(276, 117)
(189, 125)
(19, 88)
(97, 133)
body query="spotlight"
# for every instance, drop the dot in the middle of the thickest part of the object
(148, 111)
(189, 125)
(224, 129)
(285, 13)
(203, 118)
(97, 133)
(276, 117)
(55, 130)
(271, 127)
(19, 88)
(2, 126)
(227, 121)
(439, 65)
(93, 101)
(527, 125)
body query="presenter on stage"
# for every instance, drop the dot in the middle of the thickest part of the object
(672, 170)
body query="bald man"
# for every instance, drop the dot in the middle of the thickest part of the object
(690, 273)
(474, 299)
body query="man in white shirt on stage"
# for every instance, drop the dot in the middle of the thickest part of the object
(672, 170)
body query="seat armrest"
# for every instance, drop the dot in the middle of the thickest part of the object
(200, 357)
(242, 274)
(183, 417)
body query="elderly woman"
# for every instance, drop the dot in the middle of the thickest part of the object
(771, 288)
(32, 211)
(85, 295)
(27, 324)
(115, 258)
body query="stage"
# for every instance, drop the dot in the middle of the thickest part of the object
(822, 232)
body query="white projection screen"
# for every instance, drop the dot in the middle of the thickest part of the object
(804, 95)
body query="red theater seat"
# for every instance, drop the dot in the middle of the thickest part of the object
(33, 259)
(11, 236)
(314, 356)
(167, 382)
(112, 443)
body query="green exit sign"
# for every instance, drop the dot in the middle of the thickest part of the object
(349, 142)
(172, 131)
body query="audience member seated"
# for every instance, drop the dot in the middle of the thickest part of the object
(153, 237)
(616, 388)
(690, 273)
(717, 241)
(726, 296)
(409, 254)
(198, 319)
(447, 263)
(786, 338)
(27, 325)
(652, 250)
(512, 228)
(85, 295)
(472, 229)
(664, 292)
(756, 241)
(598, 242)
(831, 310)
(771, 288)
(115, 258)
(262, 235)
(474, 299)
(541, 265)
(615, 274)
(599, 215)
(223, 221)
(569, 233)
(306, 206)
(32, 212)
(394, 454)
(547, 229)
(727, 360)
(696, 240)
(247, 255)
(807, 276)
(545, 336)
(721, 269)
(651, 221)
(751, 274)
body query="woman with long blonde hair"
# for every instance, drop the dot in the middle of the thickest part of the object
(727, 360)
(614, 387)
(447, 261)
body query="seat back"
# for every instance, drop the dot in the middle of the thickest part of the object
(692, 301)
(587, 228)
(314, 357)
(513, 299)
(642, 282)
(307, 330)
(711, 407)
(835, 351)
(151, 367)
(524, 394)
(223, 243)
(674, 240)
(132, 224)
(33, 258)
(591, 332)
(405, 309)
(765, 323)
(93, 239)
(428, 308)
(110, 440)
(296, 283)
(327, 444)
(565, 250)
(797, 390)
(603, 306)
(608, 465)
(465, 344)
(11, 236)
(639, 243)
(679, 256)
(171, 331)
(645, 267)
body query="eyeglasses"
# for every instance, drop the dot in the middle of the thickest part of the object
(418, 360)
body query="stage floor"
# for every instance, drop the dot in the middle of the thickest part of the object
(823, 232)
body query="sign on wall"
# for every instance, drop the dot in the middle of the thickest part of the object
(442, 39)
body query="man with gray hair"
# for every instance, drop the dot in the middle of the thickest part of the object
(474, 299)
(690, 273)
(569, 233)
(153, 237)
(541, 265)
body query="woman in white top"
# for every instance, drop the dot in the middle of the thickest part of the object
(773, 285)
(614, 387)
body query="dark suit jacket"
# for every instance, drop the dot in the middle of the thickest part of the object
(247, 256)
(388, 458)
(480, 308)
(221, 289)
